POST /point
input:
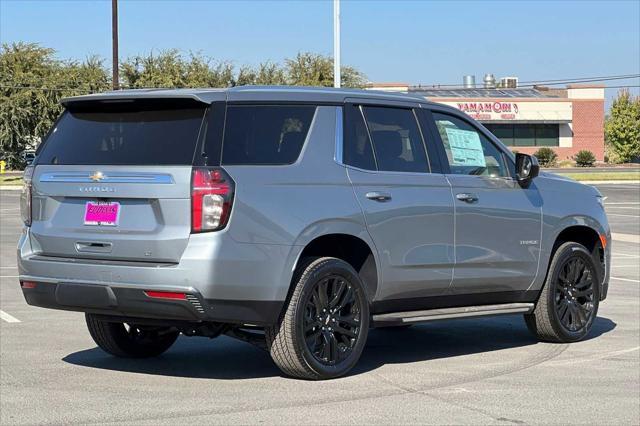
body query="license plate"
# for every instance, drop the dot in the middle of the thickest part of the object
(102, 213)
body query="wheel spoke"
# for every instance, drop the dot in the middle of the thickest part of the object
(311, 326)
(583, 293)
(334, 348)
(562, 312)
(315, 299)
(344, 331)
(337, 294)
(347, 297)
(349, 320)
(322, 293)
(582, 318)
(325, 351)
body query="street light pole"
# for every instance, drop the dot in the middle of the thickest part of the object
(114, 42)
(336, 43)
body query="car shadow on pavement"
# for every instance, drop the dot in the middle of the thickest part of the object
(447, 339)
(227, 359)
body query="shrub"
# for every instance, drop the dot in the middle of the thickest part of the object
(585, 158)
(546, 157)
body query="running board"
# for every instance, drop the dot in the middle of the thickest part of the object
(414, 317)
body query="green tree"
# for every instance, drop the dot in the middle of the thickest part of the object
(171, 69)
(311, 69)
(267, 73)
(32, 82)
(622, 126)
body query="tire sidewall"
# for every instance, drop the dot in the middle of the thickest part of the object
(311, 278)
(563, 254)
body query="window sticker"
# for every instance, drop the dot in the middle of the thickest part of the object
(466, 148)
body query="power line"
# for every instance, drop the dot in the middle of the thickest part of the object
(553, 82)
(90, 90)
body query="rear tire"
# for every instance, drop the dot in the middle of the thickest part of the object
(324, 328)
(131, 341)
(569, 300)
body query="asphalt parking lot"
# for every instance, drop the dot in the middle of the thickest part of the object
(480, 371)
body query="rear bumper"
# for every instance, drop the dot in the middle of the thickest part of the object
(134, 302)
(232, 282)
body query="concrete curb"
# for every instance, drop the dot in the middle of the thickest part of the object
(10, 187)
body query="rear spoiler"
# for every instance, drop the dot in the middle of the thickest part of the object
(148, 96)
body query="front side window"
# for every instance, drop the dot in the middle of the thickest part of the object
(468, 151)
(265, 134)
(397, 141)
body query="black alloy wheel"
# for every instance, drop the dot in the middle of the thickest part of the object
(332, 320)
(323, 329)
(568, 303)
(574, 294)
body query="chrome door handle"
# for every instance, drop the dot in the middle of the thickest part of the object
(467, 197)
(378, 196)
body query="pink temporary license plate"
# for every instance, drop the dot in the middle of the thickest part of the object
(101, 213)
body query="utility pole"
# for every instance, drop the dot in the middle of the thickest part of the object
(336, 43)
(114, 42)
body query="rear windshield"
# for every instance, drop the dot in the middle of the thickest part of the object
(270, 134)
(124, 137)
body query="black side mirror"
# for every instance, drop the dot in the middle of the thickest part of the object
(527, 168)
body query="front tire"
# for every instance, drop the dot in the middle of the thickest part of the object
(323, 331)
(130, 340)
(569, 301)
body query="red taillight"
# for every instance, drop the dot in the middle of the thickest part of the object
(211, 199)
(28, 284)
(25, 197)
(166, 295)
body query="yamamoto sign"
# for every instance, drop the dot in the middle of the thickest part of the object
(503, 110)
(487, 110)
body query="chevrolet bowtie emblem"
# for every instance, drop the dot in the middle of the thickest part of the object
(97, 176)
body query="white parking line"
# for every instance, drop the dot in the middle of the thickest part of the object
(627, 238)
(622, 215)
(619, 204)
(8, 318)
(8, 267)
(594, 357)
(625, 279)
(9, 276)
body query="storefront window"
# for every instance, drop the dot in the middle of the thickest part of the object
(526, 134)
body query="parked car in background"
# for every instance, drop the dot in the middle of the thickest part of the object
(299, 218)
(28, 156)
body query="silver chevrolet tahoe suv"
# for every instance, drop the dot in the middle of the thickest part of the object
(297, 219)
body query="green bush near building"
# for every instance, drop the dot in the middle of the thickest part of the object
(585, 158)
(546, 157)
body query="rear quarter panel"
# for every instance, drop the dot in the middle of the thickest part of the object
(293, 204)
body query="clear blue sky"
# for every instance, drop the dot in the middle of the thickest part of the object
(409, 41)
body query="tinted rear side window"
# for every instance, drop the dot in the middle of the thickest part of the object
(357, 145)
(111, 137)
(397, 140)
(265, 134)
